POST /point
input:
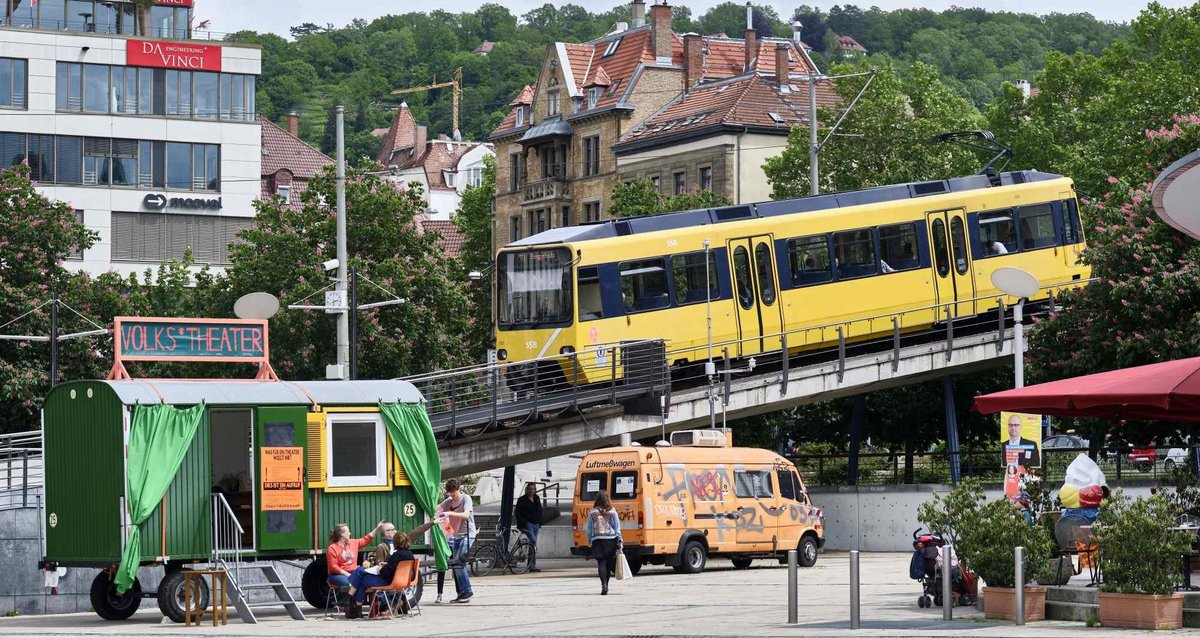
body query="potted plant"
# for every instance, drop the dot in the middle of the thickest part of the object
(1140, 558)
(988, 547)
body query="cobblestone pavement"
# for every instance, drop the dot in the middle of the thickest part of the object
(564, 600)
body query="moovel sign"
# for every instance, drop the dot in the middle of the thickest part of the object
(173, 55)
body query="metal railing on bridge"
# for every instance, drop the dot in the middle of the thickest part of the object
(1152, 464)
(476, 399)
(21, 469)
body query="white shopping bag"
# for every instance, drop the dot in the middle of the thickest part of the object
(623, 571)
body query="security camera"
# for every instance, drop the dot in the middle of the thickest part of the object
(331, 264)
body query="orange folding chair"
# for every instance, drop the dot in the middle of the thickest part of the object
(393, 597)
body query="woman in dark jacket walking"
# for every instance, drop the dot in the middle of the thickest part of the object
(604, 534)
(529, 519)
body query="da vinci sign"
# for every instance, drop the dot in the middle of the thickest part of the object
(173, 55)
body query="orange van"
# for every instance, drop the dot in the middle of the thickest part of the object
(698, 498)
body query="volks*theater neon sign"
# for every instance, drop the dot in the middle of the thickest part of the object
(176, 339)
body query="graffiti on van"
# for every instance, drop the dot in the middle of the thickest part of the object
(704, 485)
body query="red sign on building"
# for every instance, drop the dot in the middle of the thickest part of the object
(173, 3)
(173, 55)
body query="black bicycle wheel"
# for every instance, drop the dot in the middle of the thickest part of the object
(483, 559)
(518, 562)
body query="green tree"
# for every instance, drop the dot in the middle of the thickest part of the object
(730, 18)
(474, 221)
(639, 197)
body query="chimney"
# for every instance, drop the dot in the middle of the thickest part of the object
(660, 29)
(638, 9)
(781, 63)
(293, 123)
(419, 142)
(693, 59)
(797, 31)
(751, 38)
(1026, 89)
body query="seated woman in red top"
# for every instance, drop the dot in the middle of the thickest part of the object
(341, 557)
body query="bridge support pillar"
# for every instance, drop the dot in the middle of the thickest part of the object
(951, 430)
(509, 485)
(858, 412)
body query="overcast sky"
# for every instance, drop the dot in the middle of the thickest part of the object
(278, 15)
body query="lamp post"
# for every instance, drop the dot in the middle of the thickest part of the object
(1021, 284)
(710, 369)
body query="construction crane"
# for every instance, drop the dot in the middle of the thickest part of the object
(456, 83)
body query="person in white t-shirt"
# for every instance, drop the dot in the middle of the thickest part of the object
(460, 515)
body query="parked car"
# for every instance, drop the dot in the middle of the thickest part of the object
(1064, 442)
(1176, 456)
(1143, 458)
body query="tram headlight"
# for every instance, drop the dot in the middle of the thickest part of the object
(566, 350)
(502, 354)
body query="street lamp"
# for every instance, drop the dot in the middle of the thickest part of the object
(1018, 283)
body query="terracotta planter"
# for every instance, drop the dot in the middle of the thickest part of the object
(1140, 611)
(1001, 603)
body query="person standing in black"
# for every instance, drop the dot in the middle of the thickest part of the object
(529, 519)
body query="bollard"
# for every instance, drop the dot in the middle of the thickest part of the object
(947, 593)
(1019, 584)
(792, 588)
(854, 600)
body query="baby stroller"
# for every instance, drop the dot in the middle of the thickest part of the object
(926, 568)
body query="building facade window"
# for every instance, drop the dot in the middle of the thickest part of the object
(514, 172)
(591, 211)
(680, 182)
(520, 116)
(473, 176)
(553, 103)
(566, 216)
(100, 88)
(158, 237)
(77, 254)
(591, 155)
(284, 193)
(101, 161)
(14, 83)
(357, 450)
(88, 16)
(594, 94)
(706, 178)
(514, 228)
(656, 182)
(169, 22)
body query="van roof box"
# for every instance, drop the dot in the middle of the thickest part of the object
(699, 438)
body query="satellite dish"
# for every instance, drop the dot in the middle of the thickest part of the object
(256, 305)
(1015, 282)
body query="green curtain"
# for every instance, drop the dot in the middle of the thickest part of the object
(412, 437)
(158, 440)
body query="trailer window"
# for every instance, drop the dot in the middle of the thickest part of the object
(752, 484)
(356, 445)
(591, 484)
(624, 485)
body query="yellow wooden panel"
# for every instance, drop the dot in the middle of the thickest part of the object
(399, 476)
(315, 454)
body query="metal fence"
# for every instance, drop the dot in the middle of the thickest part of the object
(21, 469)
(895, 468)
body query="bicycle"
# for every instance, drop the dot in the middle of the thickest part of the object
(486, 555)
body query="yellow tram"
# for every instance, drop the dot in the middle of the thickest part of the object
(916, 252)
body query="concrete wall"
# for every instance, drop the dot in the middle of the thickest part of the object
(882, 519)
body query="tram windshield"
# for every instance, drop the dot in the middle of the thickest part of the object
(535, 289)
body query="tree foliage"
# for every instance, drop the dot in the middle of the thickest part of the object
(639, 197)
(474, 220)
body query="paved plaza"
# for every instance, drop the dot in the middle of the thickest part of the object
(564, 600)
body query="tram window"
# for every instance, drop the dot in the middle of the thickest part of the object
(1071, 230)
(644, 285)
(809, 259)
(898, 247)
(690, 276)
(1037, 226)
(766, 280)
(996, 233)
(741, 272)
(959, 238)
(854, 253)
(940, 257)
(590, 306)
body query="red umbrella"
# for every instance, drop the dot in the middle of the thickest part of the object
(1168, 391)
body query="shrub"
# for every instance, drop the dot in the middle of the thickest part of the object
(1140, 553)
(988, 545)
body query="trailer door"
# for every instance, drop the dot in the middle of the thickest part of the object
(281, 437)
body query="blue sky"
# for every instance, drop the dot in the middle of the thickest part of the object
(277, 15)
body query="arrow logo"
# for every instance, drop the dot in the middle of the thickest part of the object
(155, 201)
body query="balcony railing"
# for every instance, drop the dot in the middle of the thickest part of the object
(544, 189)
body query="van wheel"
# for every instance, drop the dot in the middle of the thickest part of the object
(172, 595)
(741, 563)
(808, 551)
(694, 558)
(110, 605)
(635, 563)
(1169, 465)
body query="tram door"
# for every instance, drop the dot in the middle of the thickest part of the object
(954, 287)
(281, 437)
(756, 293)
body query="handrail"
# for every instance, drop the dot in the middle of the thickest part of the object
(226, 536)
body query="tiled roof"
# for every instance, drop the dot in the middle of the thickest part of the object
(524, 97)
(282, 150)
(441, 156)
(752, 99)
(727, 57)
(847, 43)
(449, 236)
(485, 47)
(402, 134)
(379, 132)
(599, 78)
